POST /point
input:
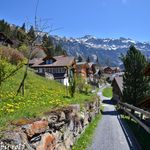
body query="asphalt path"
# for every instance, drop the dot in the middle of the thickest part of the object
(111, 133)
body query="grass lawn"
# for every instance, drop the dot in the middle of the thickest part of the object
(107, 92)
(141, 135)
(40, 95)
(86, 138)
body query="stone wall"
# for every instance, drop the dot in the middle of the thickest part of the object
(58, 129)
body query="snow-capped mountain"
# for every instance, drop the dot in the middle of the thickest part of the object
(107, 50)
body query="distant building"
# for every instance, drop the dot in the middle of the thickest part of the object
(117, 86)
(82, 69)
(145, 103)
(59, 68)
(110, 70)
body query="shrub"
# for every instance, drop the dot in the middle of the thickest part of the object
(11, 55)
(24, 49)
(80, 82)
(5, 70)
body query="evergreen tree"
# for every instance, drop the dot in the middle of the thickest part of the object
(80, 59)
(31, 34)
(4, 27)
(59, 50)
(23, 27)
(48, 45)
(135, 84)
(88, 59)
(72, 82)
(97, 60)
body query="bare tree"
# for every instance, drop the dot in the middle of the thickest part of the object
(33, 45)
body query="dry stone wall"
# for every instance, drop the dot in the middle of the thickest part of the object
(57, 130)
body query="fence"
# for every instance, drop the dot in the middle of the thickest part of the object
(130, 110)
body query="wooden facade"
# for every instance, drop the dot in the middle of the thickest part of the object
(117, 86)
(82, 69)
(111, 70)
(57, 68)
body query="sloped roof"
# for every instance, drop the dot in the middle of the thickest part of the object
(119, 81)
(35, 60)
(60, 61)
(113, 68)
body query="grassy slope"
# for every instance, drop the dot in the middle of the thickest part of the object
(107, 92)
(40, 95)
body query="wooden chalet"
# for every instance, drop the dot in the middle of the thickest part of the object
(82, 69)
(117, 86)
(111, 70)
(58, 68)
(145, 103)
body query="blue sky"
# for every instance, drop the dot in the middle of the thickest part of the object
(76, 18)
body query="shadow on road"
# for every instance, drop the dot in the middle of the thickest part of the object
(133, 144)
(115, 113)
(110, 102)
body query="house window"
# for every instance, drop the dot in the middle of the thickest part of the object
(62, 70)
(49, 61)
(40, 70)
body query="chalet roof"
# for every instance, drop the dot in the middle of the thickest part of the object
(119, 81)
(35, 60)
(113, 68)
(147, 70)
(60, 61)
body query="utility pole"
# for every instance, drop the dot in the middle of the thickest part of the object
(36, 9)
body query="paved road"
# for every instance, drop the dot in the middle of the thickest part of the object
(111, 133)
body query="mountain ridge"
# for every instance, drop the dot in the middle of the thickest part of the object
(106, 49)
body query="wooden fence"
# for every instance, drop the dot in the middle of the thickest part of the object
(129, 109)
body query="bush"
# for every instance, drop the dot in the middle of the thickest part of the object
(80, 82)
(24, 49)
(82, 86)
(5, 70)
(11, 55)
(87, 88)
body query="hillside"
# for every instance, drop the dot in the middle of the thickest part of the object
(40, 95)
(107, 50)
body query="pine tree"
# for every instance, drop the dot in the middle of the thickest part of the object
(31, 34)
(88, 59)
(4, 27)
(80, 59)
(58, 50)
(23, 27)
(135, 84)
(48, 45)
(97, 60)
